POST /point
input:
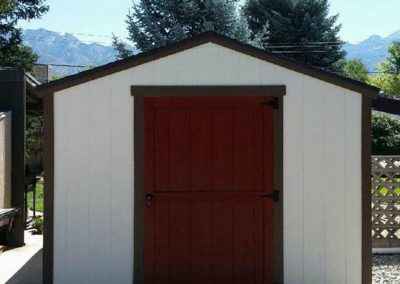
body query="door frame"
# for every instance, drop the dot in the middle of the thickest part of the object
(276, 92)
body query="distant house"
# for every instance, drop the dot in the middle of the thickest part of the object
(207, 161)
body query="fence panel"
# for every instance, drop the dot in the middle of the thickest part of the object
(385, 201)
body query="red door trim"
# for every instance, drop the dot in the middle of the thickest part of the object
(139, 199)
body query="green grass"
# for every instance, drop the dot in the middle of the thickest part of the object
(39, 198)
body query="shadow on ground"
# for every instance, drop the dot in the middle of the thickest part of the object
(30, 273)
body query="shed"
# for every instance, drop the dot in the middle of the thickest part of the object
(207, 161)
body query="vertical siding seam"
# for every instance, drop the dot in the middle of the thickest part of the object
(88, 119)
(302, 177)
(324, 199)
(345, 166)
(344, 185)
(110, 178)
(67, 210)
(91, 174)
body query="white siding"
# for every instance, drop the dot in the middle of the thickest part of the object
(94, 168)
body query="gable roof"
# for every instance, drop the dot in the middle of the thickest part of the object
(208, 37)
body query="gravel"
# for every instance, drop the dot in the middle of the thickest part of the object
(386, 269)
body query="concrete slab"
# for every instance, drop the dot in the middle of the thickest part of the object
(23, 265)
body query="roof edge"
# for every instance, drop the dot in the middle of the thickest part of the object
(145, 57)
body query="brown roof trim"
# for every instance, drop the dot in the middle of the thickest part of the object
(212, 37)
(172, 91)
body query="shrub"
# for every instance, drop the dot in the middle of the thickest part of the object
(385, 134)
(37, 225)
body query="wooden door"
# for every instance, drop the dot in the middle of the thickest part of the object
(208, 176)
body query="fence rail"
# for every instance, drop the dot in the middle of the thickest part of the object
(385, 201)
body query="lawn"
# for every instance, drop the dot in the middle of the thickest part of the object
(39, 198)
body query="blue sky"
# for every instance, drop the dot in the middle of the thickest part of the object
(86, 18)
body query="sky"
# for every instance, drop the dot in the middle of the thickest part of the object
(96, 20)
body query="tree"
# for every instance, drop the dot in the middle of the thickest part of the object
(12, 52)
(353, 69)
(388, 78)
(156, 23)
(302, 29)
(386, 128)
(392, 63)
(122, 48)
(385, 135)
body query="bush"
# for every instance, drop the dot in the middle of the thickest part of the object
(37, 225)
(385, 134)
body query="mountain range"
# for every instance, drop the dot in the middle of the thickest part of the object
(371, 51)
(67, 49)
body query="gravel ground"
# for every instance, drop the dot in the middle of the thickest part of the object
(386, 269)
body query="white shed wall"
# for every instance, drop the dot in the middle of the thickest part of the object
(93, 240)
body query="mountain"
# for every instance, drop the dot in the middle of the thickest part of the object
(55, 48)
(371, 51)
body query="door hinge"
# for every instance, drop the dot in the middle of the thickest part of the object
(275, 195)
(274, 103)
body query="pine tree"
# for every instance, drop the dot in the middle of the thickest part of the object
(12, 52)
(299, 29)
(155, 23)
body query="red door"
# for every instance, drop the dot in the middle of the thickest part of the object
(208, 169)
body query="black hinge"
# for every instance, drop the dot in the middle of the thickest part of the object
(275, 195)
(274, 103)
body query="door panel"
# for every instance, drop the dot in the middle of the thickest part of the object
(208, 163)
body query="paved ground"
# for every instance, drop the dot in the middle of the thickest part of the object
(386, 269)
(23, 265)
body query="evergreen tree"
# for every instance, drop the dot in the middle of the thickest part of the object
(12, 52)
(155, 23)
(122, 49)
(299, 29)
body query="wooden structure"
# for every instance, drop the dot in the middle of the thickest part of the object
(207, 159)
(5, 159)
(13, 88)
(386, 104)
(16, 96)
(386, 202)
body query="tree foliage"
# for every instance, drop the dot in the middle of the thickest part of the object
(353, 69)
(12, 52)
(33, 136)
(304, 27)
(155, 23)
(386, 128)
(385, 135)
(388, 78)
(123, 51)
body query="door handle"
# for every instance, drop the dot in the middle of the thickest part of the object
(149, 199)
(275, 195)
